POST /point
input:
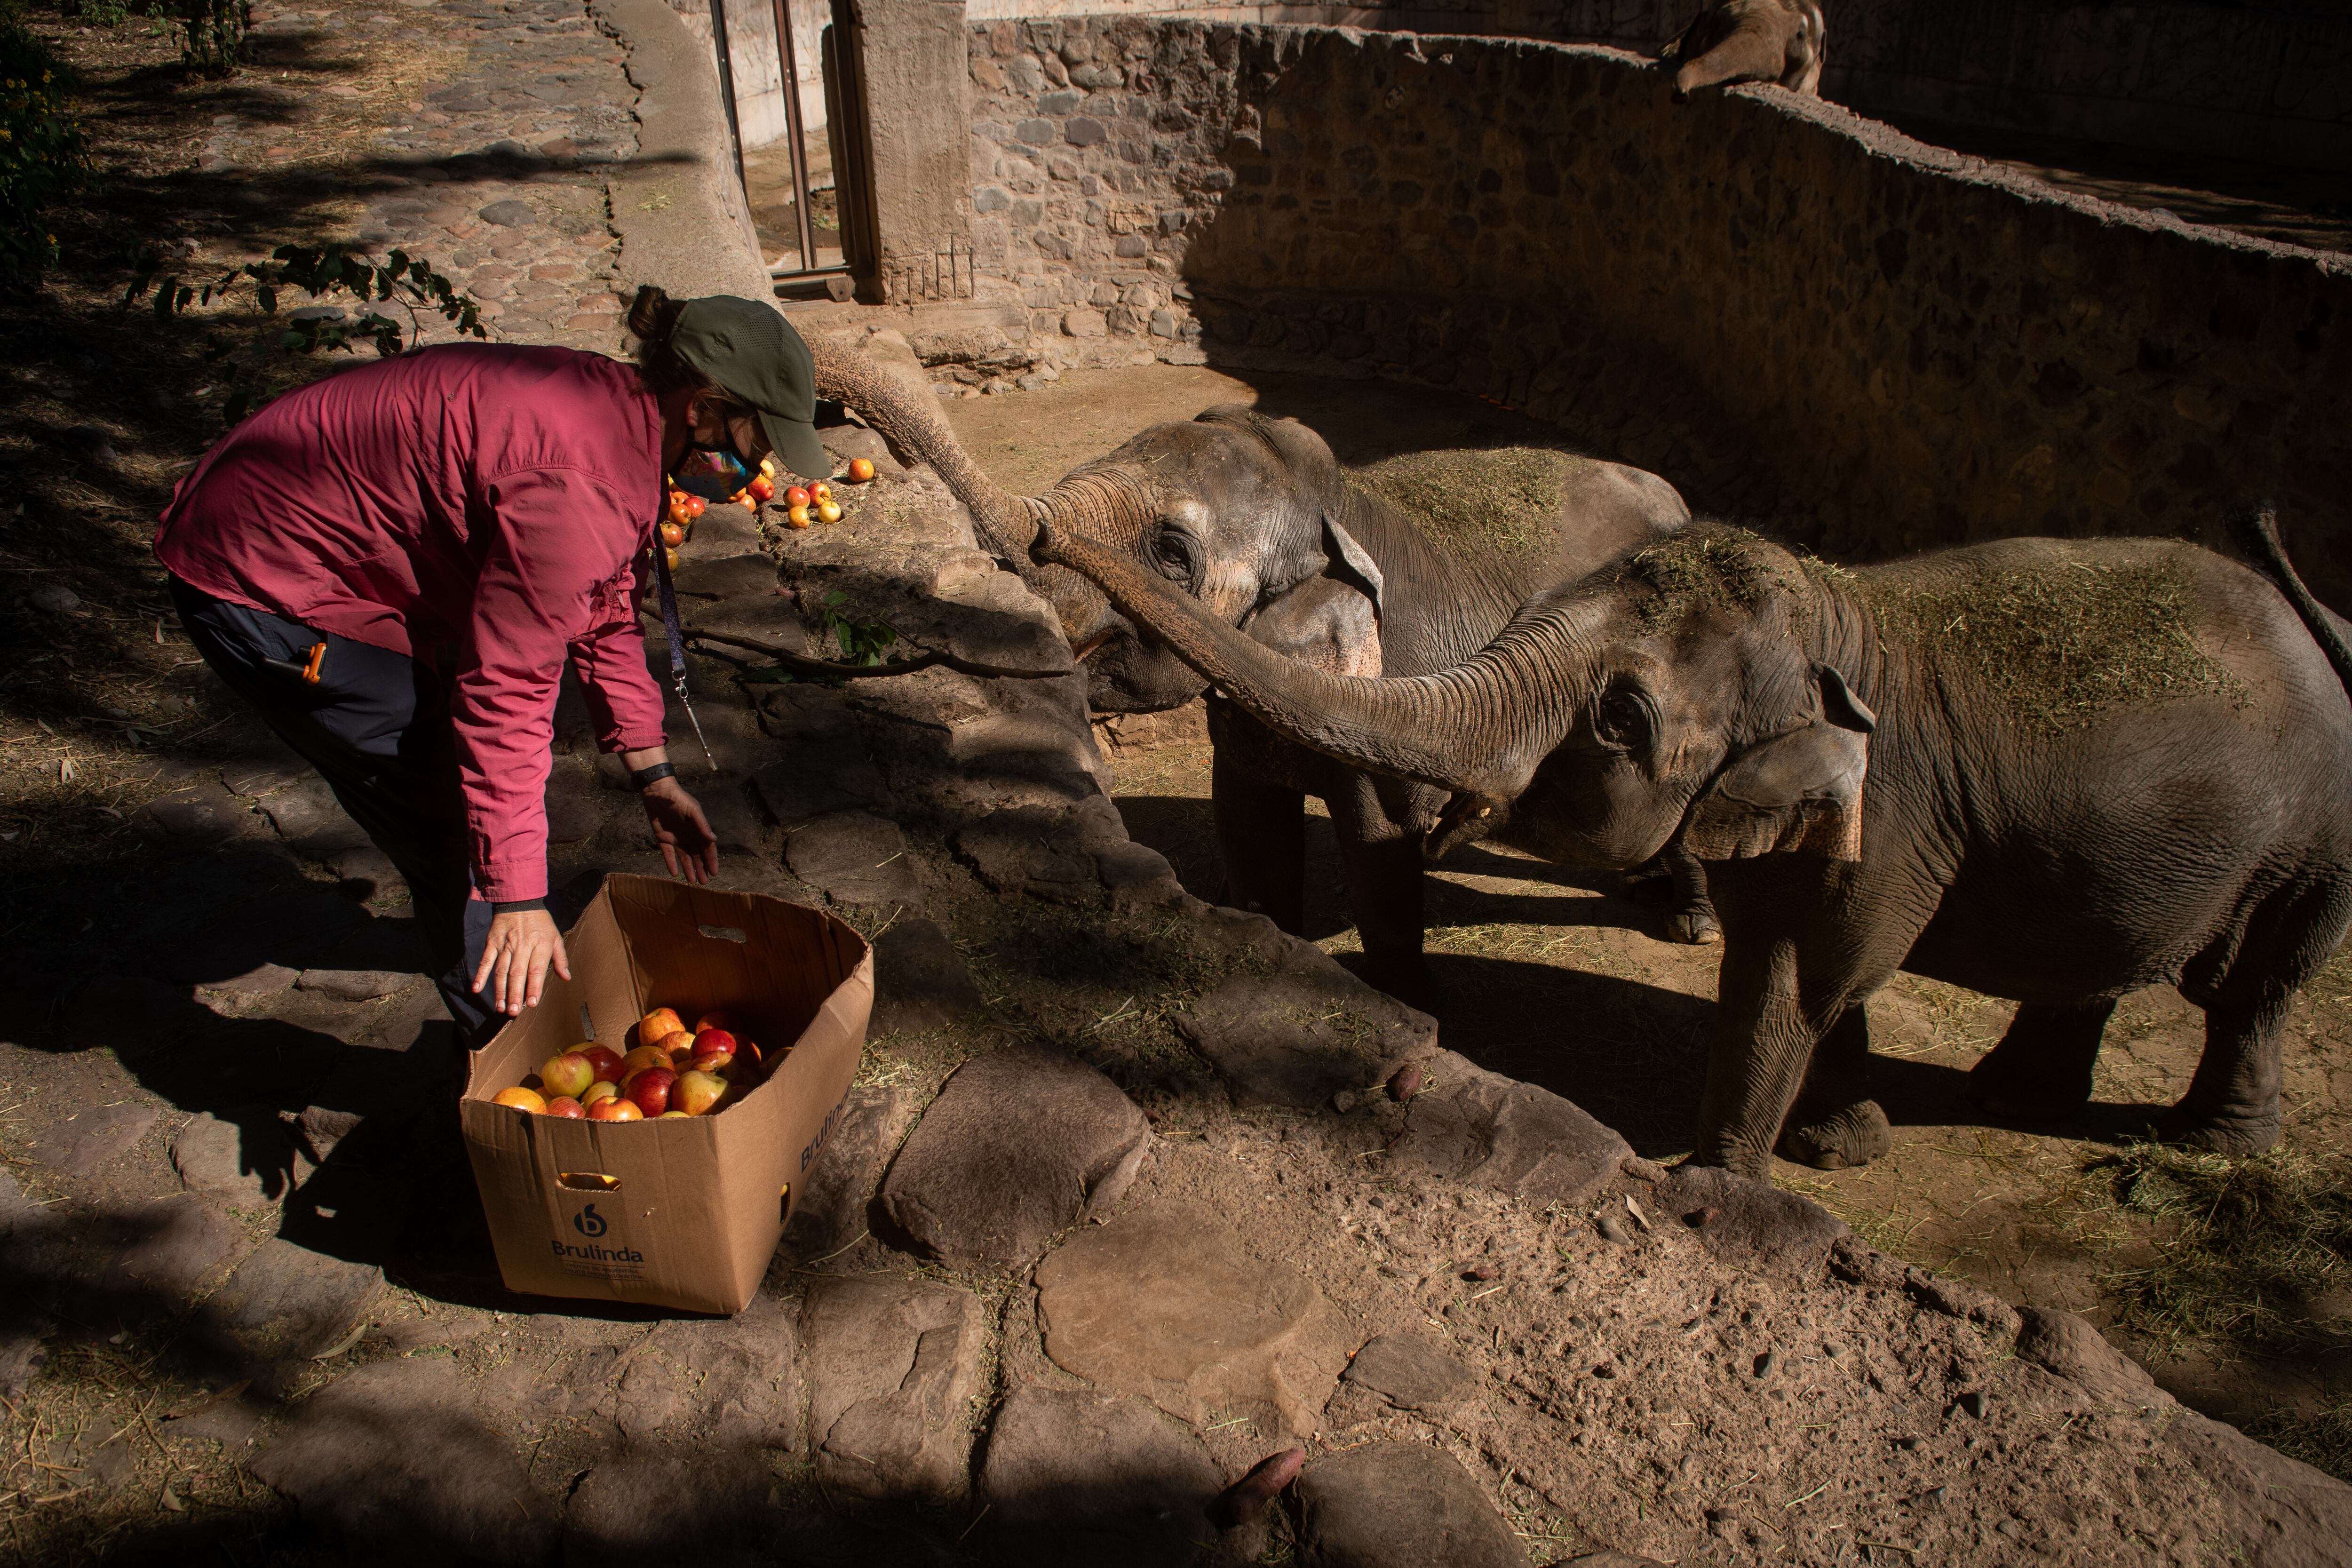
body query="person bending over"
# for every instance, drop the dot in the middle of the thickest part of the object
(393, 564)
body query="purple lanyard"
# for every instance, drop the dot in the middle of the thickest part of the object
(677, 635)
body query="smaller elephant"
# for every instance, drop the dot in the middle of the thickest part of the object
(1782, 41)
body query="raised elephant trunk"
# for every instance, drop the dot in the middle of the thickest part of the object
(1005, 523)
(1477, 730)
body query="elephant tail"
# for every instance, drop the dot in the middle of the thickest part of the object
(2261, 528)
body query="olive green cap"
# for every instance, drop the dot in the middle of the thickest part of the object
(750, 351)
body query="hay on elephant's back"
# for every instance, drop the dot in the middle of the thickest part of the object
(2055, 643)
(1505, 497)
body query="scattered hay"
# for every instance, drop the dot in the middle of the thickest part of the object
(2254, 1249)
(1504, 498)
(2321, 1438)
(1704, 566)
(2056, 644)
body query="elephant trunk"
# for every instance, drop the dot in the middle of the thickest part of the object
(1477, 730)
(1006, 524)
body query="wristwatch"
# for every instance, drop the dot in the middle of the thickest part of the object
(640, 778)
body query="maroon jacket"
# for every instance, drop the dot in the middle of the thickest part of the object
(485, 508)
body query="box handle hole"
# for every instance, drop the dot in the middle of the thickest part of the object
(724, 933)
(587, 1182)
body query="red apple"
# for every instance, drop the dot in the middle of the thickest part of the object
(603, 1060)
(761, 487)
(860, 470)
(642, 1057)
(678, 1044)
(796, 495)
(566, 1108)
(650, 1090)
(697, 1093)
(695, 506)
(616, 1109)
(718, 1020)
(520, 1100)
(567, 1073)
(656, 1023)
(602, 1089)
(820, 492)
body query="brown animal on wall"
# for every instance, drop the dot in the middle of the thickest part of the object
(1750, 40)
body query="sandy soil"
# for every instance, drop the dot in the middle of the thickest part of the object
(1557, 981)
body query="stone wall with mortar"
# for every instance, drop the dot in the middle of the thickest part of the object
(2268, 80)
(1794, 313)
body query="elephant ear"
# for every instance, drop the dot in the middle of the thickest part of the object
(1800, 792)
(1331, 620)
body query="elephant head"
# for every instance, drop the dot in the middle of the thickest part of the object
(1782, 41)
(1671, 691)
(1233, 508)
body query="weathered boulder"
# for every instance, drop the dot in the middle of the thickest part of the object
(1165, 1303)
(179, 1245)
(1037, 850)
(725, 1382)
(92, 1138)
(1303, 1034)
(829, 1211)
(814, 778)
(1477, 1126)
(1075, 1478)
(853, 857)
(920, 982)
(394, 1455)
(1750, 1222)
(892, 1362)
(1410, 1374)
(1399, 1505)
(1020, 1144)
(286, 1302)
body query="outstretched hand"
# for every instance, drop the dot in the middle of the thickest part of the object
(688, 846)
(524, 943)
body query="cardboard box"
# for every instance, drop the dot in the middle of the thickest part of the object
(671, 1213)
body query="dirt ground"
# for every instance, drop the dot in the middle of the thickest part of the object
(1549, 978)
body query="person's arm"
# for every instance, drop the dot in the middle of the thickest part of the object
(548, 548)
(625, 705)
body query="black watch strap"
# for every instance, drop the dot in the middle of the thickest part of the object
(640, 778)
(516, 906)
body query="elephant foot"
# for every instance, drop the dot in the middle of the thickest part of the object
(1695, 927)
(2000, 1088)
(1854, 1136)
(2235, 1135)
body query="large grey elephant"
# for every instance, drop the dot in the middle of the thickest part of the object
(1256, 519)
(1782, 41)
(2051, 770)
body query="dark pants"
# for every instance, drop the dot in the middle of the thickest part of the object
(376, 726)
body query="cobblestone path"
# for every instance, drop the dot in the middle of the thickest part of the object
(477, 135)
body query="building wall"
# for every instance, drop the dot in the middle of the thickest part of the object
(1794, 313)
(758, 64)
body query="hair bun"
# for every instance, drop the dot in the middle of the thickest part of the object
(653, 314)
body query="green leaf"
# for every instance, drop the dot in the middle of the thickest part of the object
(267, 298)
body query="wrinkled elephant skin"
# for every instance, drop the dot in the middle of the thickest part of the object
(2051, 770)
(1782, 41)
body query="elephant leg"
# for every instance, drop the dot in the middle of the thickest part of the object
(1262, 841)
(2042, 1069)
(1383, 862)
(1756, 1061)
(2232, 1103)
(1690, 914)
(1835, 1123)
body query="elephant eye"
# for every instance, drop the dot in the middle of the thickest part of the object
(1620, 720)
(1175, 556)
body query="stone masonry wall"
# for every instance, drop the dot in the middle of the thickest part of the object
(1793, 313)
(2270, 79)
